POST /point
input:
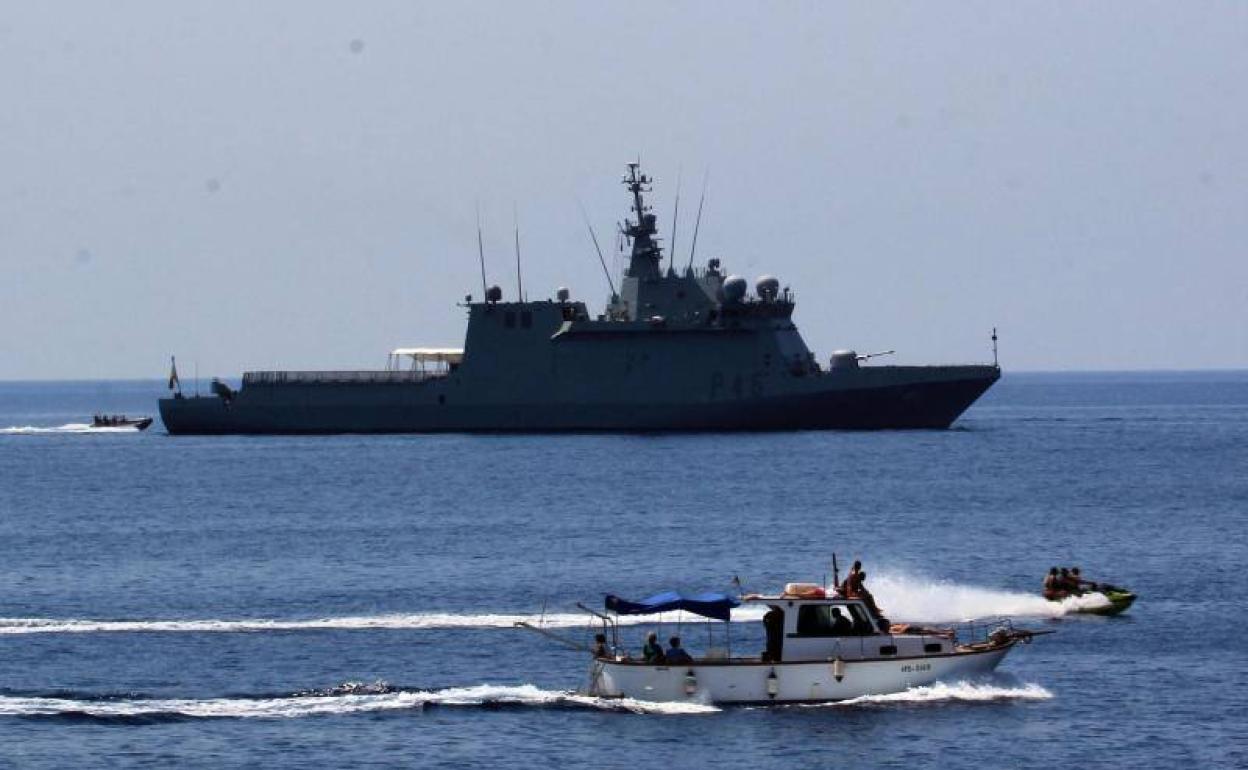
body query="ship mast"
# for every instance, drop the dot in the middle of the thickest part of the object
(646, 254)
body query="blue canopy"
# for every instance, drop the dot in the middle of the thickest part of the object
(718, 606)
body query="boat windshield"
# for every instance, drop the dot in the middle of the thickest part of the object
(821, 620)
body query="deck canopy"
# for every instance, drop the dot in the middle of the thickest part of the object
(718, 606)
(421, 358)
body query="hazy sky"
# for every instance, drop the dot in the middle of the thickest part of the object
(257, 185)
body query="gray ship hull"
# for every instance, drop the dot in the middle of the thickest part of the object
(691, 351)
(872, 398)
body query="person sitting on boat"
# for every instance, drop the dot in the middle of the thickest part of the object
(1080, 584)
(841, 625)
(652, 651)
(1068, 584)
(676, 654)
(600, 646)
(1052, 585)
(853, 581)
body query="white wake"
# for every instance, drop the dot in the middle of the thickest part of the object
(904, 598)
(335, 704)
(965, 692)
(416, 621)
(71, 427)
(359, 699)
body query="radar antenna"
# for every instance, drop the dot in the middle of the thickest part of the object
(646, 253)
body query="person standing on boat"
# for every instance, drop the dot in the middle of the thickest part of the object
(773, 624)
(652, 651)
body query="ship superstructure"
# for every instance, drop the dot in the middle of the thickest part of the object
(672, 351)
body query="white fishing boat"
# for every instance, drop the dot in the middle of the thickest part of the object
(819, 648)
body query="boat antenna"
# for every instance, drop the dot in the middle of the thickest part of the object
(693, 249)
(671, 248)
(836, 571)
(994, 348)
(481, 252)
(601, 260)
(519, 283)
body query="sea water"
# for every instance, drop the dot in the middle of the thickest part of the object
(352, 600)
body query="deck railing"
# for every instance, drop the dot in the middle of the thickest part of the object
(353, 377)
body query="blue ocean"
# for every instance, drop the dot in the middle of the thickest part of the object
(350, 601)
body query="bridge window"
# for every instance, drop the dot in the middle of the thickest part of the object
(509, 319)
(818, 620)
(526, 319)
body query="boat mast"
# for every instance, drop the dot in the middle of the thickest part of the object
(644, 261)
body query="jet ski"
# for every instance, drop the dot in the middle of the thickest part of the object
(1119, 600)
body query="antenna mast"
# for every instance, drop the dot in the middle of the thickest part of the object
(994, 348)
(646, 257)
(601, 260)
(698, 222)
(671, 248)
(519, 282)
(481, 253)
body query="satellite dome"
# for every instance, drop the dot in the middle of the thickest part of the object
(734, 289)
(493, 294)
(767, 287)
(562, 294)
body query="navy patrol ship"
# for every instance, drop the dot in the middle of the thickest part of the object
(672, 351)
